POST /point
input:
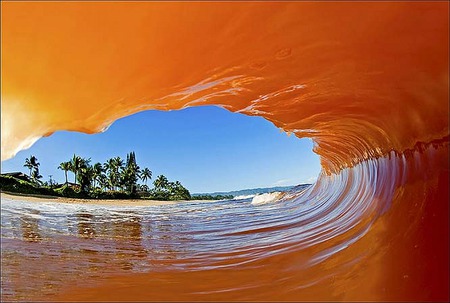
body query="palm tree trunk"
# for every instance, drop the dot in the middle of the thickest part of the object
(65, 172)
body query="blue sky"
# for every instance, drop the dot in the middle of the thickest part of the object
(206, 148)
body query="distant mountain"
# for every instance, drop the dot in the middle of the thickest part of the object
(255, 191)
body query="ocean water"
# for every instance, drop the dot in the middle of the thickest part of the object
(366, 81)
(46, 245)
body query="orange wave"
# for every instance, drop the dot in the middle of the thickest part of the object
(364, 80)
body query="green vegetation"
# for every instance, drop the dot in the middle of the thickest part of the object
(33, 165)
(11, 184)
(165, 190)
(115, 179)
(65, 166)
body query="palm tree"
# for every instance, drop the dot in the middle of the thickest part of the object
(103, 181)
(117, 165)
(178, 192)
(28, 165)
(118, 162)
(85, 175)
(31, 163)
(112, 167)
(161, 190)
(109, 167)
(97, 171)
(108, 164)
(65, 166)
(75, 165)
(143, 188)
(161, 182)
(36, 176)
(146, 174)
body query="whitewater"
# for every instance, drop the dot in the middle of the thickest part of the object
(366, 81)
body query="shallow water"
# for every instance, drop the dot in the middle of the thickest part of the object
(366, 81)
(312, 239)
(51, 244)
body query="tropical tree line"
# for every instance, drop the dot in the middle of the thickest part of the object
(116, 175)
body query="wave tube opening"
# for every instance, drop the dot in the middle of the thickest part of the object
(207, 148)
(368, 82)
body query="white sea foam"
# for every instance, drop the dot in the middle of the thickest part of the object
(241, 197)
(266, 198)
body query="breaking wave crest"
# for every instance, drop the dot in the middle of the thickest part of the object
(372, 93)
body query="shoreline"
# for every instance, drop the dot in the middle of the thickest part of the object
(111, 202)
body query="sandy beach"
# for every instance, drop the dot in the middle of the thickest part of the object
(112, 202)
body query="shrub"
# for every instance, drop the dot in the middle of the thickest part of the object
(67, 191)
(9, 183)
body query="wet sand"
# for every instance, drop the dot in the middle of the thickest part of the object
(112, 202)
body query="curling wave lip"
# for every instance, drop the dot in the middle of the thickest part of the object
(367, 81)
